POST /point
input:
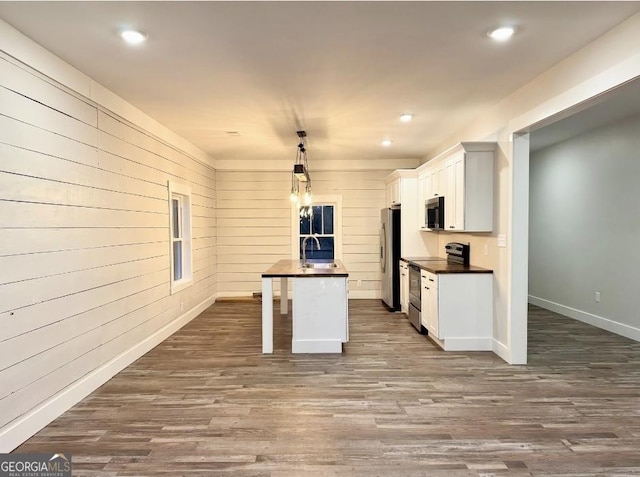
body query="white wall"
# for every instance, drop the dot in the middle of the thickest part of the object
(84, 245)
(254, 225)
(584, 228)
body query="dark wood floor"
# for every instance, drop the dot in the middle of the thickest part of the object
(206, 402)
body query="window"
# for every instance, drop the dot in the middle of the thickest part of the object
(321, 220)
(317, 220)
(180, 227)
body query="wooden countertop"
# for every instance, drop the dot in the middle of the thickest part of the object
(292, 268)
(442, 266)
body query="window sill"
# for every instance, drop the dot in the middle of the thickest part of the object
(181, 285)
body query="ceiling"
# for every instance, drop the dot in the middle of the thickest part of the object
(620, 103)
(343, 71)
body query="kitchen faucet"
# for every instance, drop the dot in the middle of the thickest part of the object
(304, 247)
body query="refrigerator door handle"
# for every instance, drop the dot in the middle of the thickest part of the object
(383, 248)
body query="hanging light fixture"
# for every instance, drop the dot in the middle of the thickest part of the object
(300, 178)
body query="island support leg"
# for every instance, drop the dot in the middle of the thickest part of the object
(284, 296)
(267, 315)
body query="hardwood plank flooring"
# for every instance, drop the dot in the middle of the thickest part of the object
(206, 402)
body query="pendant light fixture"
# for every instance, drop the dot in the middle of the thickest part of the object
(300, 178)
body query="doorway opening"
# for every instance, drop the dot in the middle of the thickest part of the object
(573, 181)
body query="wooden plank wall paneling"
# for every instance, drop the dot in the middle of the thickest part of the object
(84, 238)
(254, 226)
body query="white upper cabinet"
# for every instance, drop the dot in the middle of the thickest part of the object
(454, 207)
(450, 196)
(402, 188)
(439, 181)
(394, 193)
(464, 176)
(425, 192)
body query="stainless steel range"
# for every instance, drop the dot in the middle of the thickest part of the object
(415, 299)
(458, 253)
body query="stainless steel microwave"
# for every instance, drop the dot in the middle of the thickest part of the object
(434, 213)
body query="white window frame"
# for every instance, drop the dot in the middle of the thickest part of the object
(182, 193)
(336, 201)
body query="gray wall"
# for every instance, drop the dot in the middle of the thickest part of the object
(585, 227)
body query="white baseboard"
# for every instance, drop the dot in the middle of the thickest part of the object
(353, 294)
(235, 294)
(364, 294)
(316, 346)
(595, 320)
(19, 430)
(468, 344)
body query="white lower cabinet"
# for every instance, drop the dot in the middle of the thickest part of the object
(429, 302)
(404, 287)
(457, 310)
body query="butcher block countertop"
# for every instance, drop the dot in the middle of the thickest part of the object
(293, 268)
(442, 266)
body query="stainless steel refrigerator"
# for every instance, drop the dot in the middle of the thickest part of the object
(390, 257)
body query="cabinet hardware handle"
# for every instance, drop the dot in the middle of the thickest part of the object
(435, 195)
(451, 226)
(430, 279)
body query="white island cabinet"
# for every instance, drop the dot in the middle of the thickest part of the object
(320, 315)
(320, 310)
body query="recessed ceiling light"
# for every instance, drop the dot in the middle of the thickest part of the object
(502, 33)
(133, 37)
(386, 142)
(405, 118)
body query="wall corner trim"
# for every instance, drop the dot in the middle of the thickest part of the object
(21, 429)
(502, 351)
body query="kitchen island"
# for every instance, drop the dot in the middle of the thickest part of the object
(319, 305)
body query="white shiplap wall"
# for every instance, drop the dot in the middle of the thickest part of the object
(84, 242)
(254, 225)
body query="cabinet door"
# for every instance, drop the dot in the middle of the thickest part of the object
(346, 311)
(459, 194)
(393, 193)
(428, 186)
(450, 196)
(437, 181)
(406, 289)
(424, 193)
(429, 303)
(432, 304)
(403, 287)
(424, 304)
(442, 181)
